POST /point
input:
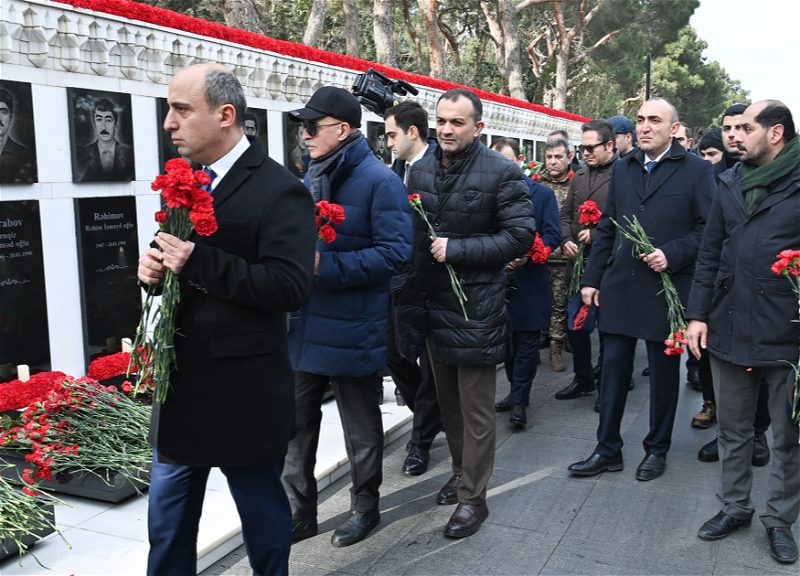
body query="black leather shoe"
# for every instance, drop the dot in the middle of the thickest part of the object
(416, 462)
(596, 464)
(693, 380)
(449, 492)
(597, 404)
(518, 416)
(646, 371)
(504, 405)
(303, 529)
(574, 390)
(720, 526)
(631, 385)
(567, 346)
(466, 520)
(760, 450)
(597, 372)
(544, 342)
(709, 452)
(358, 525)
(782, 545)
(651, 467)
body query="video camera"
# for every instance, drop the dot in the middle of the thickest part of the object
(375, 91)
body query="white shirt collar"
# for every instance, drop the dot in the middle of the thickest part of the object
(660, 156)
(224, 164)
(417, 157)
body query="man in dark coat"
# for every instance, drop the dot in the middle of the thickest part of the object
(478, 205)
(669, 192)
(406, 135)
(17, 162)
(589, 183)
(744, 315)
(528, 295)
(230, 402)
(106, 158)
(339, 335)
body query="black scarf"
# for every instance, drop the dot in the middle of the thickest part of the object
(320, 169)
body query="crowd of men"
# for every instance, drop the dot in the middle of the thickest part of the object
(383, 294)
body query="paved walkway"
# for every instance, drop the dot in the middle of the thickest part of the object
(542, 521)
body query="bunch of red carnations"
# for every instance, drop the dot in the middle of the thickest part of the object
(539, 252)
(589, 217)
(788, 265)
(328, 214)
(18, 394)
(189, 208)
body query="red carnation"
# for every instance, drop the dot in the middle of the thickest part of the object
(327, 234)
(161, 216)
(536, 176)
(580, 317)
(571, 175)
(204, 224)
(539, 252)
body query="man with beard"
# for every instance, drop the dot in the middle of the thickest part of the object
(339, 335)
(743, 315)
(557, 174)
(669, 192)
(105, 159)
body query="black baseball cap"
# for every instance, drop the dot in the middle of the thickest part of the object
(329, 101)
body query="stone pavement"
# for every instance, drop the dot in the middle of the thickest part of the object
(542, 521)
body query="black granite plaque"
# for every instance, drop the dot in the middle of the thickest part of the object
(17, 135)
(255, 124)
(108, 249)
(295, 152)
(376, 134)
(528, 149)
(23, 303)
(166, 149)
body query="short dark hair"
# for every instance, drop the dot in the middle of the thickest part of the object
(456, 93)
(5, 96)
(105, 105)
(557, 143)
(506, 142)
(251, 116)
(603, 128)
(776, 113)
(222, 87)
(735, 110)
(560, 133)
(407, 114)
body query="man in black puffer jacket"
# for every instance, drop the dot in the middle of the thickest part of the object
(479, 207)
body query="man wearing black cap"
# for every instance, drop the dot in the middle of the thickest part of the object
(711, 147)
(625, 135)
(339, 335)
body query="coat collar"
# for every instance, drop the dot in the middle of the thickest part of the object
(647, 185)
(250, 159)
(785, 188)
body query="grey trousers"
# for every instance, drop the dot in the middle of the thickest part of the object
(466, 398)
(737, 397)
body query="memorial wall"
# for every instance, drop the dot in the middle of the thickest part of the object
(82, 103)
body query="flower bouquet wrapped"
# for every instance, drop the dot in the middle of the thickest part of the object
(189, 209)
(677, 321)
(788, 265)
(416, 203)
(590, 216)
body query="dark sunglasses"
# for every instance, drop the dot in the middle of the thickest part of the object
(312, 128)
(590, 149)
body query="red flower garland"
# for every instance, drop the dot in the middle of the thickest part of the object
(16, 394)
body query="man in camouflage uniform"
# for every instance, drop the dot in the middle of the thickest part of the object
(557, 174)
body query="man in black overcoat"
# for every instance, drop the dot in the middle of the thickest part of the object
(669, 192)
(231, 398)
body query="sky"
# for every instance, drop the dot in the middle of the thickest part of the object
(758, 43)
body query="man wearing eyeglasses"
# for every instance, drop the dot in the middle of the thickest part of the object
(339, 335)
(589, 183)
(669, 192)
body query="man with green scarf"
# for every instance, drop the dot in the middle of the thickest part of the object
(741, 313)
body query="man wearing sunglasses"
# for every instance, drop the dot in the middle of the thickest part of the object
(669, 192)
(339, 335)
(589, 183)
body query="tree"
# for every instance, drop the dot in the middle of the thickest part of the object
(316, 20)
(243, 14)
(427, 9)
(350, 10)
(385, 52)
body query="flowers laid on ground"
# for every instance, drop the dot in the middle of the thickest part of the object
(677, 322)
(81, 426)
(538, 252)
(327, 215)
(788, 265)
(416, 203)
(589, 217)
(109, 366)
(189, 209)
(17, 394)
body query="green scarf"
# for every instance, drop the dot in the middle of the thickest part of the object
(758, 180)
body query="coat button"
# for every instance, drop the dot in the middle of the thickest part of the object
(641, 208)
(633, 272)
(437, 222)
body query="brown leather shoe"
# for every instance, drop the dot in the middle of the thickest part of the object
(707, 415)
(449, 492)
(466, 520)
(557, 363)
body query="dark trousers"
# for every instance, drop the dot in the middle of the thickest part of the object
(357, 401)
(176, 502)
(466, 397)
(762, 420)
(581, 342)
(521, 362)
(664, 384)
(416, 384)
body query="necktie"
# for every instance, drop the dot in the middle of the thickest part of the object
(405, 172)
(212, 175)
(649, 165)
(107, 160)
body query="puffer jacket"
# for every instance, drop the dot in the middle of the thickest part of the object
(751, 312)
(341, 329)
(481, 204)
